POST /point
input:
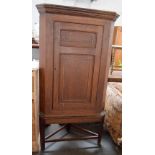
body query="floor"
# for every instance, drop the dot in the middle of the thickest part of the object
(88, 147)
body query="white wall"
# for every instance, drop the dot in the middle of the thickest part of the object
(109, 5)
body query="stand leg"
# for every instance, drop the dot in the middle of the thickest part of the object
(100, 133)
(68, 126)
(42, 133)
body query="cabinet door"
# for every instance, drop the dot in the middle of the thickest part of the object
(77, 54)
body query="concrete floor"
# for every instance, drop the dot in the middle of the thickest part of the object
(87, 147)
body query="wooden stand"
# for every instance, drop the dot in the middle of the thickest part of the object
(92, 135)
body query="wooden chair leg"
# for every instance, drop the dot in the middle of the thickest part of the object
(100, 133)
(42, 133)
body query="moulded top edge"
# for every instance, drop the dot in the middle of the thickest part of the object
(75, 11)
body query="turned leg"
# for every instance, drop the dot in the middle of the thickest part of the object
(42, 133)
(100, 133)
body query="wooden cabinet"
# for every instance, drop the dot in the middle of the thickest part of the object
(75, 51)
(35, 111)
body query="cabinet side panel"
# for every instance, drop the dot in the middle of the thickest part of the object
(42, 49)
(105, 64)
(46, 63)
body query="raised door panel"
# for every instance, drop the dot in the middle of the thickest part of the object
(77, 51)
(75, 78)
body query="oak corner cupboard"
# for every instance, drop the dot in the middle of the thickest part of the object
(75, 51)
